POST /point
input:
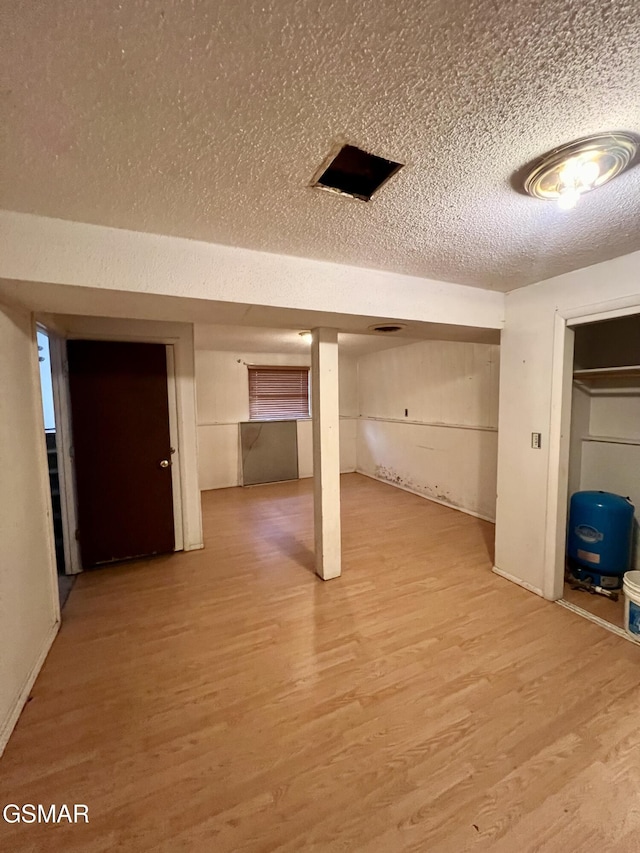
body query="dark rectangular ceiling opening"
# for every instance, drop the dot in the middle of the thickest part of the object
(356, 173)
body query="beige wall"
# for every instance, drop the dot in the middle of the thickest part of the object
(580, 418)
(527, 520)
(446, 446)
(617, 415)
(29, 613)
(608, 463)
(614, 468)
(223, 402)
(446, 449)
(113, 260)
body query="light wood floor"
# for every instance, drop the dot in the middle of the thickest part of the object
(599, 605)
(228, 700)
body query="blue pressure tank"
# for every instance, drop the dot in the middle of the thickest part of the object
(599, 537)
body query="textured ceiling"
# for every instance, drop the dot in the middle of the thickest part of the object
(208, 120)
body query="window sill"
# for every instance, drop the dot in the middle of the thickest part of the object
(275, 420)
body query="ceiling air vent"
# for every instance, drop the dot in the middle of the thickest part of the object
(355, 173)
(387, 328)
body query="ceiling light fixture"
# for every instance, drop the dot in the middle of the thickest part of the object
(571, 170)
(306, 337)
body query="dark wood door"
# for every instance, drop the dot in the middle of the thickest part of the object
(120, 423)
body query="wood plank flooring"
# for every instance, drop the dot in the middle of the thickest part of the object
(599, 605)
(229, 700)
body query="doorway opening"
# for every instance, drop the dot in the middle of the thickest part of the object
(65, 577)
(609, 343)
(127, 402)
(123, 454)
(604, 460)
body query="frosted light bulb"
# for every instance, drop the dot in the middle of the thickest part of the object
(570, 172)
(589, 173)
(568, 198)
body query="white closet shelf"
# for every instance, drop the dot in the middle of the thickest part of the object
(631, 371)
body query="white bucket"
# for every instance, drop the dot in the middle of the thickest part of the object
(631, 587)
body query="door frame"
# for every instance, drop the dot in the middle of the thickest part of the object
(62, 411)
(176, 483)
(560, 429)
(64, 450)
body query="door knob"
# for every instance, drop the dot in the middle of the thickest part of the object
(165, 463)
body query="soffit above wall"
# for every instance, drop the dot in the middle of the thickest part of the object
(225, 325)
(253, 339)
(209, 121)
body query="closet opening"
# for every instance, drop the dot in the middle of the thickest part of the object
(603, 500)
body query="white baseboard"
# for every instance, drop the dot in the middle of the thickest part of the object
(301, 477)
(342, 471)
(8, 724)
(528, 586)
(425, 497)
(619, 632)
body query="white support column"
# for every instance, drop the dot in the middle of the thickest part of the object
(326, 451)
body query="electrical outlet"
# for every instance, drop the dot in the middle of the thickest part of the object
(536, 440)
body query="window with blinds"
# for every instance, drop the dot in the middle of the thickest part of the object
(278, 393)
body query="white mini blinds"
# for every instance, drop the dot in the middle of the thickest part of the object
(278, 393)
